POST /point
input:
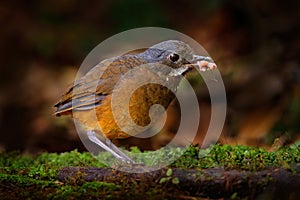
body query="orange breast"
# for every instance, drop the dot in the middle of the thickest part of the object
(140, 102)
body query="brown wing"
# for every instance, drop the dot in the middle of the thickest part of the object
(91, 89)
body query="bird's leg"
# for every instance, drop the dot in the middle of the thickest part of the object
(118, 151)
(107, 145)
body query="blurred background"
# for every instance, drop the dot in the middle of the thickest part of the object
(256, 45)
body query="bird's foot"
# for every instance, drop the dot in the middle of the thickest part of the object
(107, 145)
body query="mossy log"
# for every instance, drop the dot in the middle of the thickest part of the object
(211, 183)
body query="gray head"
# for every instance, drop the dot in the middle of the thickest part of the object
(177, 54)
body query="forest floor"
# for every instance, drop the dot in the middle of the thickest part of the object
(221, 171)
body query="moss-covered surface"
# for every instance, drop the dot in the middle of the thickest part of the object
(36, 177)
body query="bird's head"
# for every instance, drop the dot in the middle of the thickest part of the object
(178, 55)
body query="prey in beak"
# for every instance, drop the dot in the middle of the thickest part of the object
(203, 63)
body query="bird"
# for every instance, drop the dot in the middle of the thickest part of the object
(92, 93)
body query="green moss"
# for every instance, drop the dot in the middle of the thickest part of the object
(39, 173)
(238, 157)
(89, 189)
(36, 176)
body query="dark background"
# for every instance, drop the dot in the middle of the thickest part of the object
(256, 45)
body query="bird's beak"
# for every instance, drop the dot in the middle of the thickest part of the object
(203, 63)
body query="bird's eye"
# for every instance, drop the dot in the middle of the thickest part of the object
(173, 57)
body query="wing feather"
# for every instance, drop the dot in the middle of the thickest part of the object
(93, 87)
